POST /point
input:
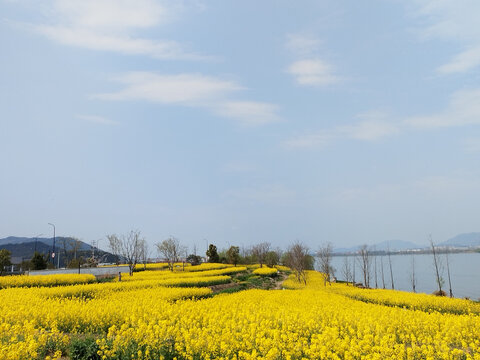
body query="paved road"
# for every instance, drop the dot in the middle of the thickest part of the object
(95, 271)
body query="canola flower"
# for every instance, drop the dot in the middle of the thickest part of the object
(282, 268)
(265, 271)
(139, 320)
(160, 266)
(208, 266)
(149, 275)
(45, 280)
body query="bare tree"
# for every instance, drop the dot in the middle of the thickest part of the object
(114, 246)
(383, 275)
(438, 267)
(260, 252)
(346, 270)
(354, 267)
(324, 254)
(144, 253)
(364, 259)
(128, 247)
(170, 250)
(413, 279)
(448, 272)
(375, 267)
(298, 259)
(390, 264)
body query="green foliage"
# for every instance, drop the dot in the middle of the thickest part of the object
(212, 254)
(233, 255)
(75, 263)
(272, 258)
(83, 349)
(309, 262)
(38, 262)
(194, 259)
(5, 257)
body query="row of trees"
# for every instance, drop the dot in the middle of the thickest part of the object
(133, 249)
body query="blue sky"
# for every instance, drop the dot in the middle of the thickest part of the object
(240, 122)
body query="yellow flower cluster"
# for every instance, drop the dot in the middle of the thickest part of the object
(45, 280)
(160, 266)
(282, 268)
(265, 271)
(162, 275)
(139, 319)
(207, 266)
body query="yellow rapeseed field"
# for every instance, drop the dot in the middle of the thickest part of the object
(265, 271)
(142, 319)
(45, 280)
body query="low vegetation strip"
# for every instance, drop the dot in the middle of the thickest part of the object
(45, 280)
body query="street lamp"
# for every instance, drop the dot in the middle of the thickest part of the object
(53, 252)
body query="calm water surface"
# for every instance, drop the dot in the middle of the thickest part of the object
(464, 273)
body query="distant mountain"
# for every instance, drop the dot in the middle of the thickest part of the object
(48, 241)
(23, 248)
(26, 250)
(463, 240)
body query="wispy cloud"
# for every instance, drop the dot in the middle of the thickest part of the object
(110, 25)
(454, 21)
(373, 126)
(314, 72)
(182, 89)
(302, 45)
(97, 119)
(248, 112)
(463, 109)
(309, 68)
(195, 90)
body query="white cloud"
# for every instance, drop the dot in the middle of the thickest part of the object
(194, 90)
(317, 139)
(110, 25)
(249, 112)
(111, 14)
(455, 21)
(466, 60)
(302, 45)
(374, 126)
(369, 130)
(309, 68)
(463, 109)
(315, 72)
(183, 89)
(97, 119)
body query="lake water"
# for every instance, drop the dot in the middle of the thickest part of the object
(464, 273)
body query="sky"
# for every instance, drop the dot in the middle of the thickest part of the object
(239, 122)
